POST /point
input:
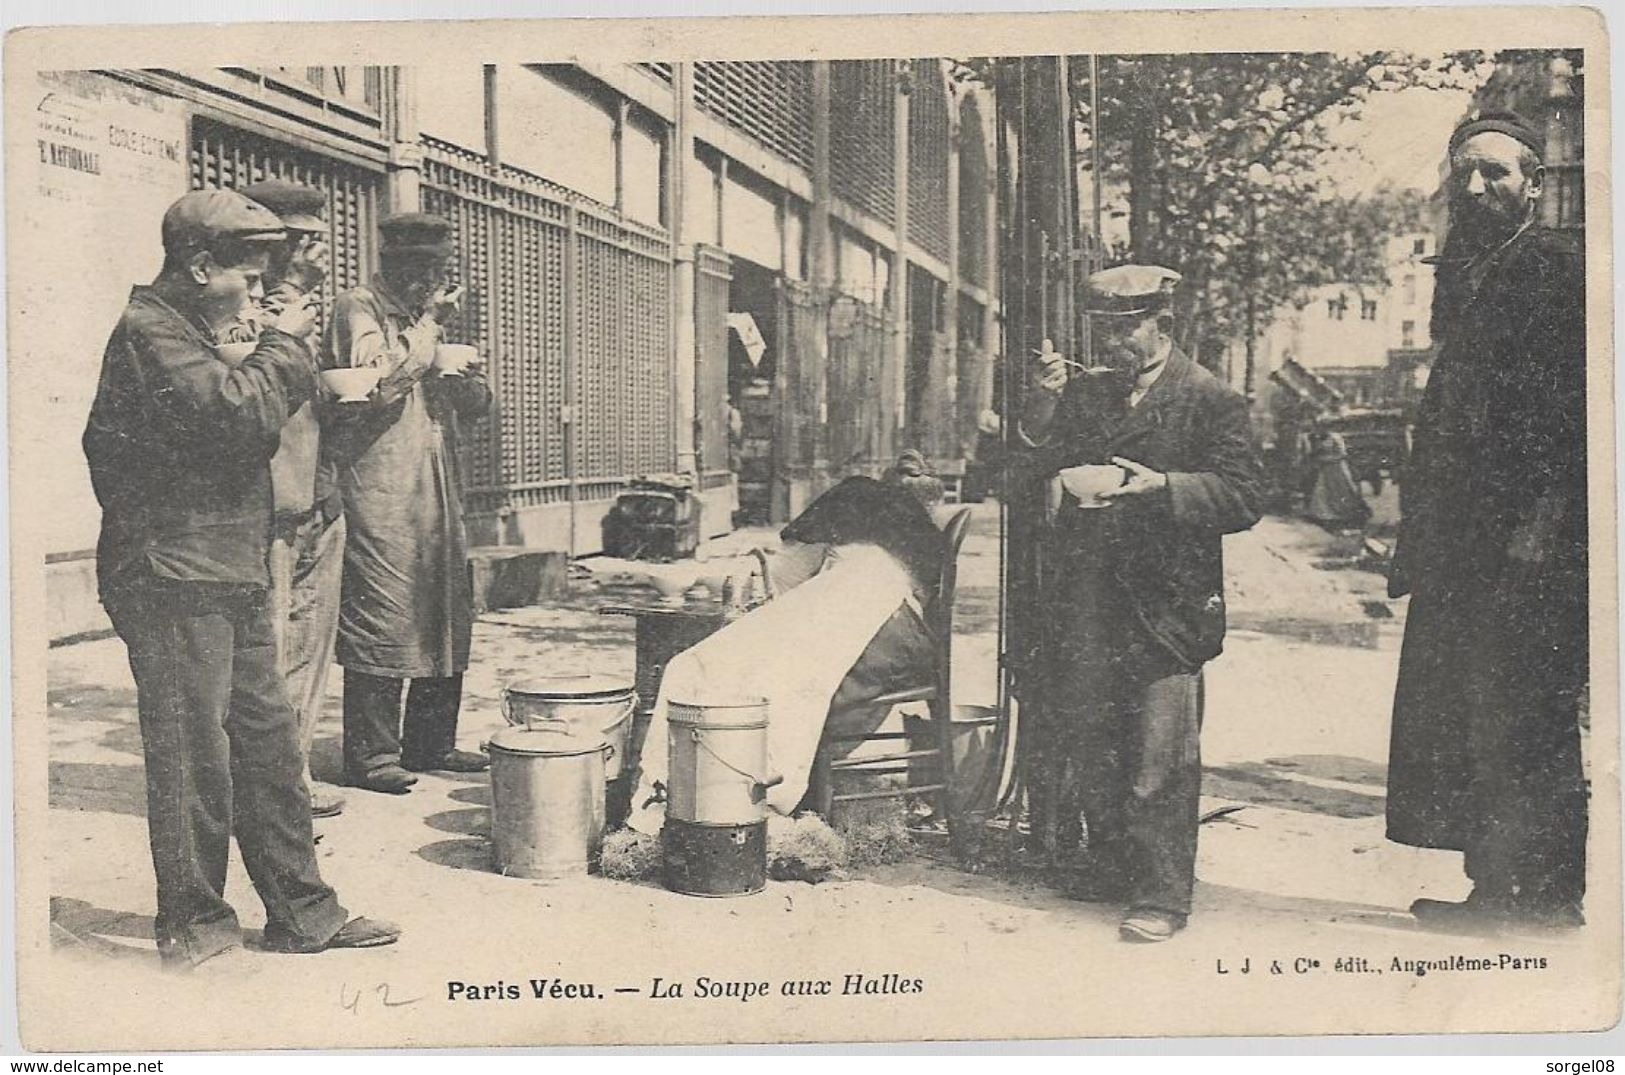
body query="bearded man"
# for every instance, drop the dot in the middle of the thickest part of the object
(1485, 756)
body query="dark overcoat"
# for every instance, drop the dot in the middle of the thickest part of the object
(1165, 548)
(1485, 732)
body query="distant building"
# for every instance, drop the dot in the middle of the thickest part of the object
(1349, 336)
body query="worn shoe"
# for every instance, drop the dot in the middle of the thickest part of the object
(1146, 926)
(324, 802)
(356, 933)
(1481, 913)
(453, 761)
(389, 779)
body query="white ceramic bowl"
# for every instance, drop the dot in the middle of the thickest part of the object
(452, 358)
(351, 385)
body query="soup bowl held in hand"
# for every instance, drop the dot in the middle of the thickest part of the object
(451, 359)
(351, 384)
(1086, 483)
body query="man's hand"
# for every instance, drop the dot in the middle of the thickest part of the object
(1141, 480)
(310, 263)
(445, 304)
(1052, 369)
(296, 318)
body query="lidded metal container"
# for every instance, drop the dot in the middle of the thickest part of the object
(547, 799)
(716, 771)
(589, 704)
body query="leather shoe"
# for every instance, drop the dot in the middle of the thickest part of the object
(453, 761)
(1146, 926)
(325, 803)
(356, 933)
(389, 779)
(1477, 915)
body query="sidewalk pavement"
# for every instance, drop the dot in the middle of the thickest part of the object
(1296, 735)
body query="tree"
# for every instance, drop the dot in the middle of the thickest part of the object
(1226, 163)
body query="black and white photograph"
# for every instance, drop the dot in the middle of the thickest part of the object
(813, 530)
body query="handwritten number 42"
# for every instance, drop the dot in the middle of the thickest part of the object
(381, 991)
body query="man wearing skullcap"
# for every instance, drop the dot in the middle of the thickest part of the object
(307, 539)
(1485, 755)
(179, 445)
(1152, 461)
(406, 607)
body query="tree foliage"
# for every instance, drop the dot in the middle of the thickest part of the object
(1226, 165)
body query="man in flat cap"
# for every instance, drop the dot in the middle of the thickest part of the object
(179, 444)
(406, 610)
(307, 537)
(1485, 757)
(1152, 461)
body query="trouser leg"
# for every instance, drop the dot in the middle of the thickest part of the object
(180, 652)
(271, 801)
(432, 707)
(312, 618)
(372, 722)
(1163, 801)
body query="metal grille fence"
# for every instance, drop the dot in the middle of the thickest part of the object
(225, 156)
(801, 317)
(529, 252)
(928, 136)
(712, 274)
(858, 389)
(771, 101)
(863, 111)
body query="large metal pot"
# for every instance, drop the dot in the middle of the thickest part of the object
(547, 800)
(716, 771)
(589, 704)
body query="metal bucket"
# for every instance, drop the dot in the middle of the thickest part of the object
(714, 860)
(716, 769)
(590, 705)
(547, 800)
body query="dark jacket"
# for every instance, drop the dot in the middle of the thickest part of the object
(1165, 549)
(1502, 422)
(179, 446)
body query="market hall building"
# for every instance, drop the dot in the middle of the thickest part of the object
(654, 251)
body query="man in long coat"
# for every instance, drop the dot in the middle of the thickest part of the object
(1134, 591)
(1485, 757)
(179, 444)
(406, 608)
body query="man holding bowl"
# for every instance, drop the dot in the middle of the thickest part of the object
(406, 604)
(179, 445)
(307, 536)
(1152, 460)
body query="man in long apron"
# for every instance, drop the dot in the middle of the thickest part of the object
(1152, 461)
(406, 604)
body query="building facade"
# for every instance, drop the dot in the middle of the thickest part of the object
(761, 275)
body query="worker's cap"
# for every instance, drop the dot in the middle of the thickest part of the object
(299, 207)
(203, 217)
(416, 235)
(1508, 123)
(1130, 289)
